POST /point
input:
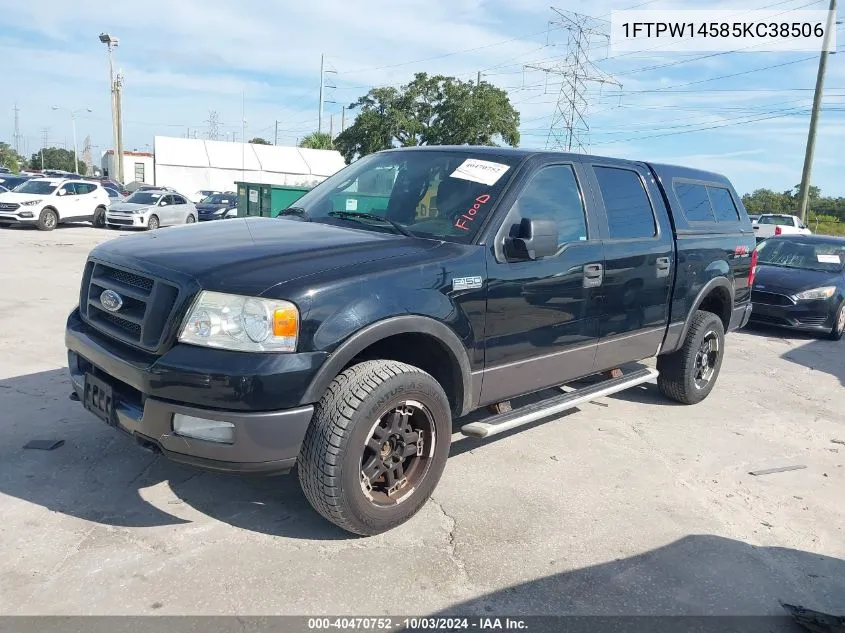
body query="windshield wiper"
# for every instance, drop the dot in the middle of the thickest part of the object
(372, 216)
(298, 212)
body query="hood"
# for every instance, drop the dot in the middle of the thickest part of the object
(254, 254)
(210, 207)
(792, 280)
(129, 206)
(14, 196)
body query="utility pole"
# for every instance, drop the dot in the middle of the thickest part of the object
(804, 193)
(17, 129)
(569, 127)
(343, 119)
(478, 81)
(276, 136)
(112, 43)
(44, 133)
(331, 126)
(322, 87)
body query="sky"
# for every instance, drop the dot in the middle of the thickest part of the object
(256, 62)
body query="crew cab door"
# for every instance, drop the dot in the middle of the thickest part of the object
(639, 261)
(541, 324)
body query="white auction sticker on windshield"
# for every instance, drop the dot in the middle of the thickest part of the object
(829, 259)
(482, 171)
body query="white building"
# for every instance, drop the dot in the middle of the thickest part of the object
(137, 167)
(190, 165)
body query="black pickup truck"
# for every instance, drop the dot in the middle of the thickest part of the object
(411, 288)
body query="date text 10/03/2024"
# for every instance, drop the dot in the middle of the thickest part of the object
(421, 623)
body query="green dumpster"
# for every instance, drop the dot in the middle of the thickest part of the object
(266, 200)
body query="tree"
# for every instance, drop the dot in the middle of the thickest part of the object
(259, 141)
(430, 110)
(57, 158)
(317, 140)
(10, 158)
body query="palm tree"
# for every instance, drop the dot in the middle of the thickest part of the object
(317, 140)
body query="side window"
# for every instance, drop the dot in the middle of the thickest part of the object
(723, 204)
(694, 202)
(553, 194)
(178, 200)
(629, 212)
(166, 200)
(69, 189)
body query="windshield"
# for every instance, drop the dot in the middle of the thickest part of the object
(218, 198)
(144, 197)
(435, 194)
(37, 186)
(782, 220)
(793, 253)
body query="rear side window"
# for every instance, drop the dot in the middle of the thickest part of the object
(723, 204)
(629, 212)
(694, 202)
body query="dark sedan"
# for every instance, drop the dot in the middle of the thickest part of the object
(214, 207)
(800, 284)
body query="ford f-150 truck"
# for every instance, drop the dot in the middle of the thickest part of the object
(345, 336)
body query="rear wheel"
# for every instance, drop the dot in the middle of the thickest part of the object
(839, 324)
(48, 220)
(99, 220)
(153, 224)
(376, 447)
(689, 375)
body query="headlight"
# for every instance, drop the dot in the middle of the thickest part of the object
(816, 293)
(30, 203)
(218, 211)
(236, 322)
(143, 210)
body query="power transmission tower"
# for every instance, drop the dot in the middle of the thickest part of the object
(323, 86)
(569, 129)
(17, 129)
(213, 124)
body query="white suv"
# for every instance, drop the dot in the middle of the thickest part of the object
(47, 202)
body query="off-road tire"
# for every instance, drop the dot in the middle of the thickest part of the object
(676, 380)
(329, 462)
(838, 326)
(47, 220)
(153, 223)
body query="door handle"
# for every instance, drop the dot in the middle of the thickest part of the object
(662, 267)
(593, 275)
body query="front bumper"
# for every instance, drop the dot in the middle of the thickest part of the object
(137, 220)
(17, 218)
(806, 316)
(265, 441)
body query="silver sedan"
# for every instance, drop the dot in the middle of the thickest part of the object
(151, 209)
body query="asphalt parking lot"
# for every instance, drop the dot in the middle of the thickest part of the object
(629, 505)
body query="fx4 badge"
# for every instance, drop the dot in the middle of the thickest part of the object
(466, 283)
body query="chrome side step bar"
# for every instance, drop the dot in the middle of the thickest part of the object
(558, 404)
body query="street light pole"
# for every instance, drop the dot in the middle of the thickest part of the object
(112, 42)
(75, 146)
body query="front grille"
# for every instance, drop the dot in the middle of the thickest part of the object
(770, 298)
(122, 221)
(771, 320)
(9, 206)
(147, 305)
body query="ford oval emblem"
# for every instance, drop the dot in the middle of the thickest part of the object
(111, 301)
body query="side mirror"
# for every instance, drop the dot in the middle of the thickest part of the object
(162, 204)
(535, 239)
(61, 192)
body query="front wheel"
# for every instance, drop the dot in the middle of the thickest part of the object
(839, 324)
(190, 219)
(153, 224)
(689, 375)
(376, 447)
(48, 220)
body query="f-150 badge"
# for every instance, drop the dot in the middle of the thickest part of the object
(466, 283)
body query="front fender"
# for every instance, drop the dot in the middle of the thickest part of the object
(367, 336)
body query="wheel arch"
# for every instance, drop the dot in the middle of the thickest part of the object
(717, 296)
(417, 340)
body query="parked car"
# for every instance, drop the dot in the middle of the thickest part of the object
(113, 184)
(114, 195)
(344, 340)
(48, 202)
(800, 284)
(215, 206)
(5, 170)
(769, 224)
(10, 181)
(199, 196)
(150, 209)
